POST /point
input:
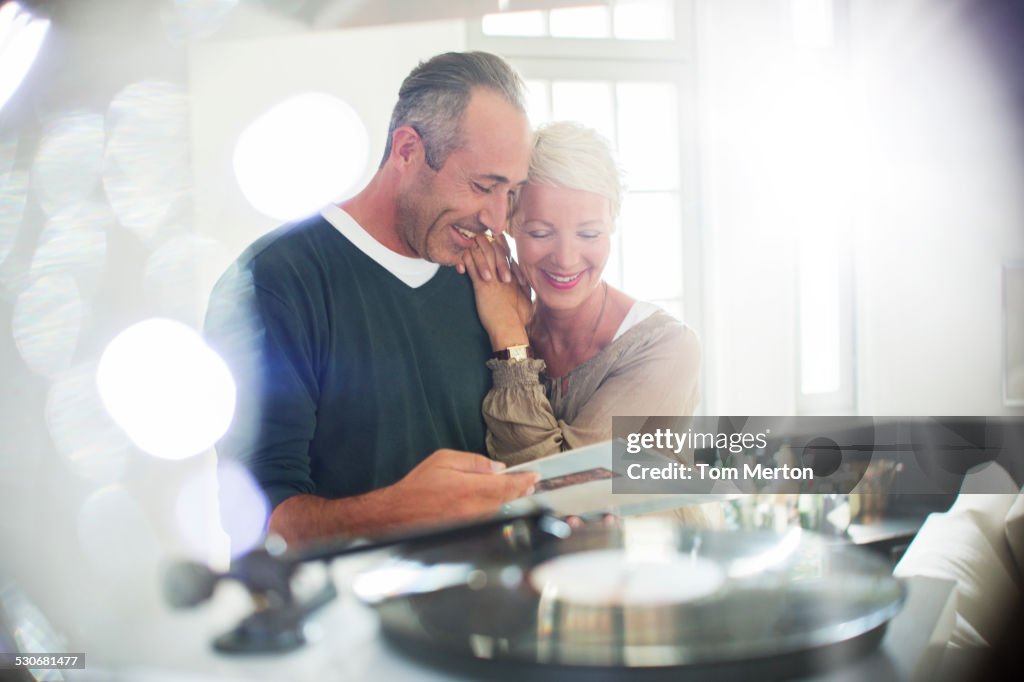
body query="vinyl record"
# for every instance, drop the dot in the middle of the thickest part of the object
(644, 595)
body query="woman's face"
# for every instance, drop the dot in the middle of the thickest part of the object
(563, 238)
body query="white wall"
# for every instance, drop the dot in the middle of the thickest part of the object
(935, 210)
(750, 253)
(233, 82)
(943, 212)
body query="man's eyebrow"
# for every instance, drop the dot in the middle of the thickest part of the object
(495, 177)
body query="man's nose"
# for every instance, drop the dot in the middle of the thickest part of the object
(494, 214)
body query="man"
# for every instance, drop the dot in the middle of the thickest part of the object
(359, 360)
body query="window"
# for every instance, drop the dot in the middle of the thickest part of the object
(623, 68)
(823, 159)
(621, 19)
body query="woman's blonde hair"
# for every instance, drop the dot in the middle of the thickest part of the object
(568, 154)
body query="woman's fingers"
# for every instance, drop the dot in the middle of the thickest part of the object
(503, 258)
(504, 252)
(481, 262)
(475, 260)
(469, 266)
(483, 257)
(487, 248)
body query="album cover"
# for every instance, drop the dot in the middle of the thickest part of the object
(580, 483)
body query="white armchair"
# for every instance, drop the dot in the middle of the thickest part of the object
(978, 544)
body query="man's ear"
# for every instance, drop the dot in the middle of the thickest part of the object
(406, 146)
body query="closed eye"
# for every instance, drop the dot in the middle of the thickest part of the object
(482, 189)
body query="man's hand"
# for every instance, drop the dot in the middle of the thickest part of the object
(454, 485)
(448, 486)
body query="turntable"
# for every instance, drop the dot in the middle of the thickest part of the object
(647, 596)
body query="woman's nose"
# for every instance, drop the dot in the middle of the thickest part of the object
(565, 254)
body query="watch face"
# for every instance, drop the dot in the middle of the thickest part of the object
(517, 353)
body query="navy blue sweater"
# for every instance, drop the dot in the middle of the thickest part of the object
(347, 377)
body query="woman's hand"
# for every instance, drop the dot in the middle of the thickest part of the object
(504, 307)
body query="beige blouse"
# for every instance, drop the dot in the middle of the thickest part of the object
(650, 369)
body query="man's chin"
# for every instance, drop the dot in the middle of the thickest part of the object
(449, 256)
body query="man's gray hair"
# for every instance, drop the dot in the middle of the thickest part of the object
(434, 96)
(568, 154)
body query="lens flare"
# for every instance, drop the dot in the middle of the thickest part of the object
(301, 154)
(21, 36)
(179, 275)
(82, 431)
(48, 318)
(13, 191)
(69, 161)
(74, 242)
(186, 20)
(166, 388)
(146, 172)
(231, 503)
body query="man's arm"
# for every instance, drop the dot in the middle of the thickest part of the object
(260, 336)
(448, 486)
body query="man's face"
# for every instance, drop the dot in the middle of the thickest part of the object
(440, 212)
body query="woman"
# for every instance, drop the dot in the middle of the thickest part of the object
(594, 352)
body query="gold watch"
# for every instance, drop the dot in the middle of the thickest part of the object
(514, 353)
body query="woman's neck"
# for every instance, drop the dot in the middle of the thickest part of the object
(567, 338)
(564, 327)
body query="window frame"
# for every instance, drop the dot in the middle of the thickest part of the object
(676, 49)
(616, 60)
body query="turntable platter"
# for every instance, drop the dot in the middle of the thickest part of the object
(613, 578)
(647, 594)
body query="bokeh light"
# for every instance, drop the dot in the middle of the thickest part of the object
(230, 502)
(13, 192)
(8, 153)
(82, 431)
(300, 155)
(185, 20)
(74, 242)
(47, 322)
(180, 273)
(69, 160)
(145, 171)
(166, 388)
